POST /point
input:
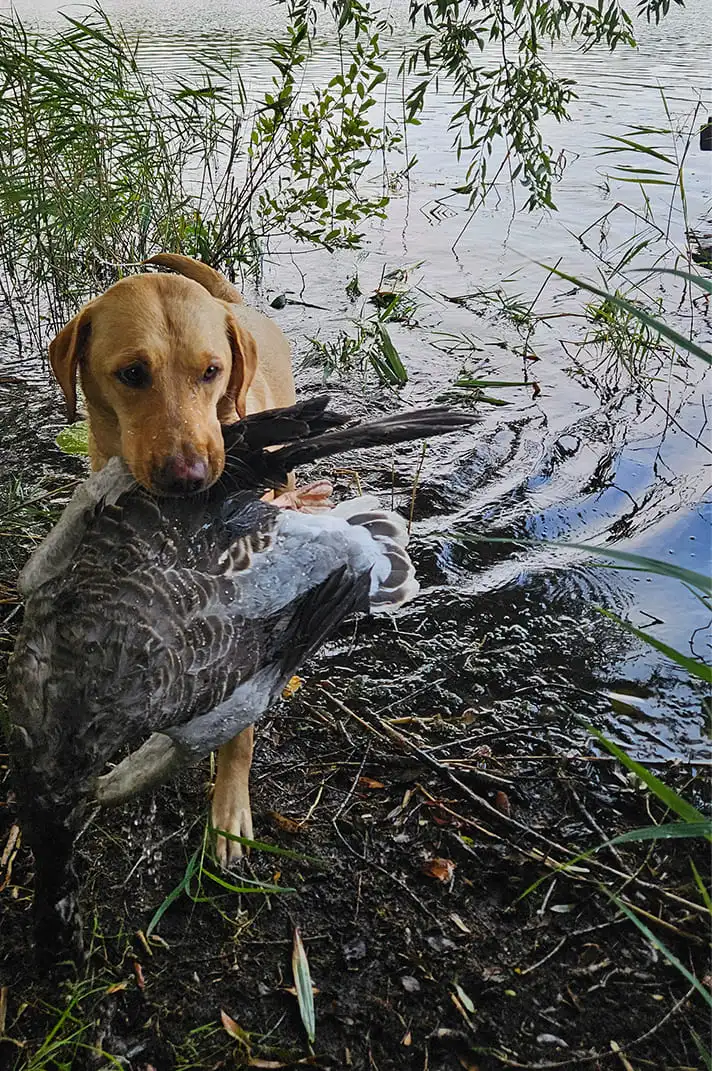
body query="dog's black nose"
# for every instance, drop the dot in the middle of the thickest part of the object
(181, 474)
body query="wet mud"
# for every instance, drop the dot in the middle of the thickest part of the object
(436, 766)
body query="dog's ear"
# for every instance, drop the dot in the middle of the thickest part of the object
(244, 364)
(65, 352)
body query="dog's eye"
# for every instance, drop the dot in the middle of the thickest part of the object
(134, 375)
(210, 373)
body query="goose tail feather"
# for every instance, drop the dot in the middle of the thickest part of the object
(393, 580)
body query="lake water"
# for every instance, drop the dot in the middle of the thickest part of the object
(591, 457)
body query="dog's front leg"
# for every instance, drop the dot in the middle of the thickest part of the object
(231, 797)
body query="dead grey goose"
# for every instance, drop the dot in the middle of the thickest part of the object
(170, 625)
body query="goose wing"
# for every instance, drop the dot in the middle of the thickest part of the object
(159, 626)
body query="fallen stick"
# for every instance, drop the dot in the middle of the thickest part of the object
(507, 820)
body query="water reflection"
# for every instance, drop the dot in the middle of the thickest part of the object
(595, 455)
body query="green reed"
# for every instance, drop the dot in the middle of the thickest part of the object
(103, 162)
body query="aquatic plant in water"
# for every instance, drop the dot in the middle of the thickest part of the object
(102, 162)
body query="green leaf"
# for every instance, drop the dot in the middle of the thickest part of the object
(667, 831)
(663, 949)
(247, 886)
(666, 795)
(74, 439)
(180, 888)
(691, 665)
(303, 986)
(697, 280)
(262, 846)
(89, 30)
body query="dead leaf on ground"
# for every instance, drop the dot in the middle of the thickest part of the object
(10, 850)
(501, 802)
(458, 1004)
(552, 1039)
(442, 869)
(138, 971)
(273, 1065)
(288, 825)
(290, 690)
(441, 815)
(144, 941)
(10, 843)
(234, 1029)
(464, 999)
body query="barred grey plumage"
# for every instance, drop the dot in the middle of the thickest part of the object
(181, 618)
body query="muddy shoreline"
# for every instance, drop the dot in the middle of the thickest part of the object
(379, 765)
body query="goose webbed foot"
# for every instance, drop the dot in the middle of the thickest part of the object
(310, 498)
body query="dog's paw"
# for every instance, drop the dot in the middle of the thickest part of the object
(312, 498)
(235, 817)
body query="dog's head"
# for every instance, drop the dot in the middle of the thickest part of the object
(162, 365)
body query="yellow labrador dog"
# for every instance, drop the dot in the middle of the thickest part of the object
(165, 360)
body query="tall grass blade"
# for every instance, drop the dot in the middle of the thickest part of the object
(667, 831)
(663, 949)
(639, 563)
(395, 370)
(667, 796)
(626, 144)
(697, 280)
(180, 888)
(645, 318)
(704, 893)
(263, 846)
(247, 886)
(704, 1052)
(303, 986)
(691, 665)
